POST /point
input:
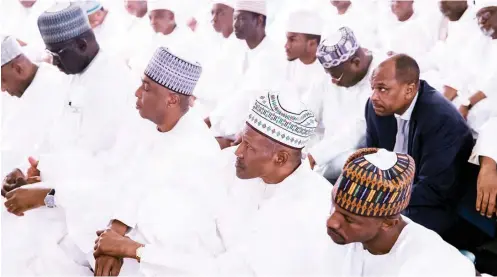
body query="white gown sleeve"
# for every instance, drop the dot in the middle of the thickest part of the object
(485, 145)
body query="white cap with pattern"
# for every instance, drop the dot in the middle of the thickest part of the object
(282, 117)
(173, 72)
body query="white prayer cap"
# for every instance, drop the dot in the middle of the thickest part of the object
(480, 4)
(281, 116)
(255, 6)
(10, 49)
(229, 3)
(90, 7)
(304, 22)
(170, 5)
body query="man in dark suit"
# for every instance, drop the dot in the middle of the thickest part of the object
(406, 115)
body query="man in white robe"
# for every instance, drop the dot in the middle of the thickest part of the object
(222, 45)
(359, 15)
(137, 28)
(260, 66)
(90, 119)
(485, 155)
(407, 21)
(271, 223)
(18, 18)
(303, 35)
(376, 238)
(42, 91)
(339, 104)
(181, 143)
(471, 80)
(107, 25)
(165, 31)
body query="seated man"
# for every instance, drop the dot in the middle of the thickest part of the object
(272, 222)
(42, 91)
(160, 158)
(485, 155)
(339, 103)
(368, 198)
(407, 115)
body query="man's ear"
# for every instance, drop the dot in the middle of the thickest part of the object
(410, 91)
(390, 222)
(82, 44)
(260, 20)
(173, 100)
(281, 158)
(17, 68)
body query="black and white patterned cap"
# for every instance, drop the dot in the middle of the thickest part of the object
(337, 48)
(172, 72)
(62, 22)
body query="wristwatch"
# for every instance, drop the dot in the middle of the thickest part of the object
(466, 103)
(139, 252)
(50, 199)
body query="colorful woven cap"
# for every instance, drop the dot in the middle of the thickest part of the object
(337, 48)
(173, 72)
(375, 183)
(62, 22)
(283, 118)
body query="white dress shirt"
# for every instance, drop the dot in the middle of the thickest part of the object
(485, 145)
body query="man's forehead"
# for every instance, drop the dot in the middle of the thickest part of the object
(220, 7)
(385, 71)
(485, 10)
(253, 136)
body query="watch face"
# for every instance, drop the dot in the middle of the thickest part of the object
(50, 201)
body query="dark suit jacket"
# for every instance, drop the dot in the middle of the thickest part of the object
(440, 143)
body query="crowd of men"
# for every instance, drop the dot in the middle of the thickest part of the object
(166, 138)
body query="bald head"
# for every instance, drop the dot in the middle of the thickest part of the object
(406, 69)
(17, 75)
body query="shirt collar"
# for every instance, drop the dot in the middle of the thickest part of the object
(407, 114)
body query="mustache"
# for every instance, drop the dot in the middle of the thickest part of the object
(239, 163)
(333, 231)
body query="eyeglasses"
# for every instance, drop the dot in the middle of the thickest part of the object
(58, 53)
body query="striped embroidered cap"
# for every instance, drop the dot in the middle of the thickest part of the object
(375, 183)
(62, 22)
(337, 48)
(283, 118)
(173, 72)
